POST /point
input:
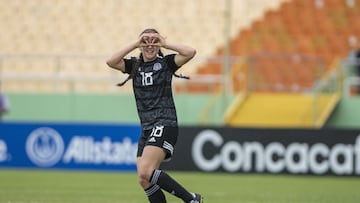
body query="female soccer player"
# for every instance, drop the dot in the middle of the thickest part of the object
(152, 74)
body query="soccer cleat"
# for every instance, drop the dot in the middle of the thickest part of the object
(197, 198)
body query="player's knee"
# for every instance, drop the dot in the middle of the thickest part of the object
(144, 178)
(144, 183)
(144, 175)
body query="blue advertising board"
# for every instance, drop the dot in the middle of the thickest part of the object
(69, 146)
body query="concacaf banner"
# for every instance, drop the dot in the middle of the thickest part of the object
(69, 146)
(290, 151)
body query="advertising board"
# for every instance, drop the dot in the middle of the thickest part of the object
(68, 146)
(206, 149)
(292, 151)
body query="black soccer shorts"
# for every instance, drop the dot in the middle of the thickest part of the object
(164, 137)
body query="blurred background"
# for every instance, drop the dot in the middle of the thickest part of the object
(259, 63)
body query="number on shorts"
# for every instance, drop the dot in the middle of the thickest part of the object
(157, 131)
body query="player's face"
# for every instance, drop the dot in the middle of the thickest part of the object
(150, 45)
(150, 52)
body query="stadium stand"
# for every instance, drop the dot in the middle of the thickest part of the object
(291, 50)
(315, 28)
(56, 31)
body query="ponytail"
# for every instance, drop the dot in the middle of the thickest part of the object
(135, 67)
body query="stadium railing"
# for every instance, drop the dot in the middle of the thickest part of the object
(82, 74)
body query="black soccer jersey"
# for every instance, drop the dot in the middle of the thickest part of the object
(153, 91)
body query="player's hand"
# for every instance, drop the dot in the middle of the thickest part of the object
(158, 40)
(152, 39)
(144, 40)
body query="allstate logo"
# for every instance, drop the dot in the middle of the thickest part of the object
(44, 147)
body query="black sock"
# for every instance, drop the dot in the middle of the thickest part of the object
(170, 185)
(155, 195)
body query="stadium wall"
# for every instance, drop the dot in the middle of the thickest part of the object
(346, 114)
(120, 108)
(104, 108)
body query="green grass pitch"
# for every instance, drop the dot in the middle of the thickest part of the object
(38, 186)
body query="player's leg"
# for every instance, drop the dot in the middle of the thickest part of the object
(152, 191)
(150, 175)
(163, 140)
(145, 166)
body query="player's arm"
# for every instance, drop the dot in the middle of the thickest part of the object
(184, 53)
(116, 61)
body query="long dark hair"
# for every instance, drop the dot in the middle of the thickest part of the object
(140, 60)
